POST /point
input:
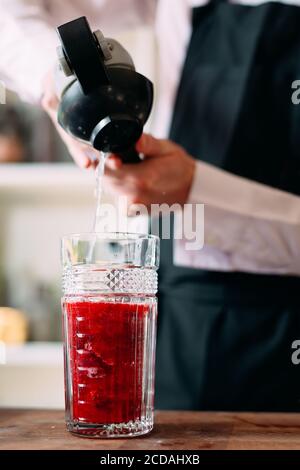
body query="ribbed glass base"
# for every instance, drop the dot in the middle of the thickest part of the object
(103, 431)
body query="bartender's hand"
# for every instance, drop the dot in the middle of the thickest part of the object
(84, 155)
(164, 176)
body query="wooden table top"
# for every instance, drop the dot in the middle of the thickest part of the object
(39, 429)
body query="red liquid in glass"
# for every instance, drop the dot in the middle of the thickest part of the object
(106, 347)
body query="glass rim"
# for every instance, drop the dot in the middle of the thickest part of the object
(122, 236)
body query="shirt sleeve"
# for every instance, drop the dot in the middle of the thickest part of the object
(247, 226)
(27, 46)
(28, 39)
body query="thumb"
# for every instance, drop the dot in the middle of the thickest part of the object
(152, 147)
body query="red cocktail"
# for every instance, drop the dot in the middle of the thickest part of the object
(106, 341)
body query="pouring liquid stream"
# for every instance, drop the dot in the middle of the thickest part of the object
(99, 190)
(99, 173)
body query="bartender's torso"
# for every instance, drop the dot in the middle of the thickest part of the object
(224, 337)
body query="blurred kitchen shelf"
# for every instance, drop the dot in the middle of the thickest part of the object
(26, 179)
(32, 376)
(39, 203)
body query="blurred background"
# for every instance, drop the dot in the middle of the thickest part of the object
(43, 196)
(239, 96)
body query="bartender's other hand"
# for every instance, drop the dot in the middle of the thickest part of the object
(164, 176)
(84, 155)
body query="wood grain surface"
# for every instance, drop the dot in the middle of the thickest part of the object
(37, 429)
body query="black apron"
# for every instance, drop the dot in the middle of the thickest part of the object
(224, 339)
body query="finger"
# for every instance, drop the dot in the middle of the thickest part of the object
(79, 155)
(92, 154)
(152, 147)
(50, 102)
(84, 155)
(113, 162)
(126, 174)
(113, 173)
(94, 164)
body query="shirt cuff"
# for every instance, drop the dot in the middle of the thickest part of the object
(247, 226)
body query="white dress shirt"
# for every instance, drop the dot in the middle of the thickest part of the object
(248, 226)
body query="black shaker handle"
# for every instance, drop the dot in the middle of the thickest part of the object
(84, 57)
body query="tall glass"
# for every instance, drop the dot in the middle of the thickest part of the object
(109, 316)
